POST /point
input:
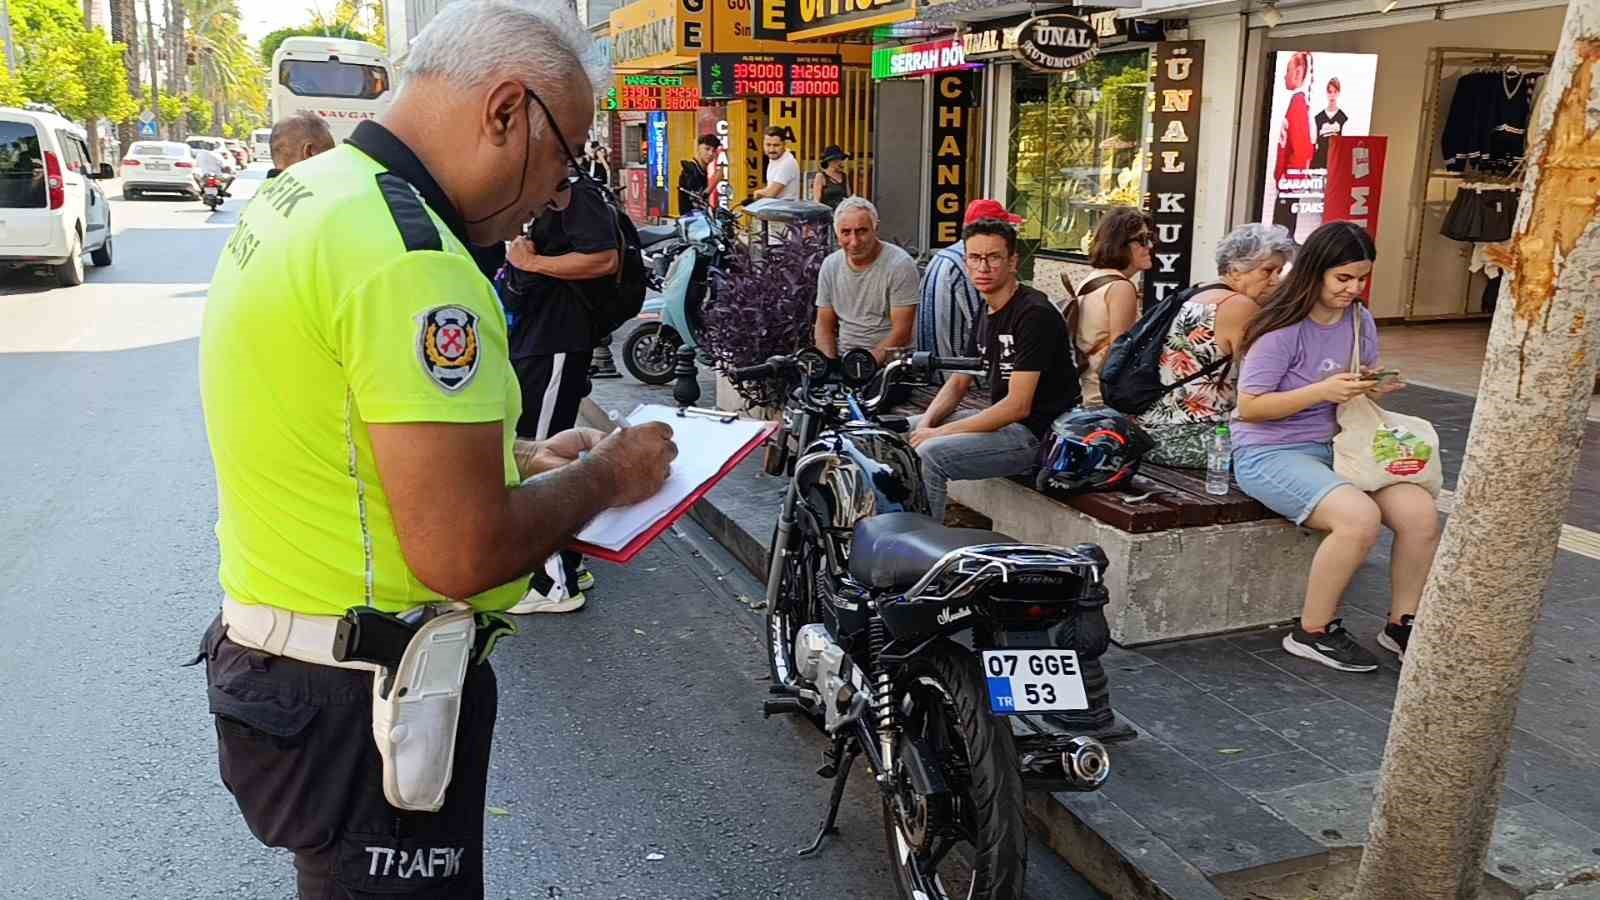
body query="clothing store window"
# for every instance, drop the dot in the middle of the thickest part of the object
(1077, 147)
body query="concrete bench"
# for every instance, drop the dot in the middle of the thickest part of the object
(1184, 563)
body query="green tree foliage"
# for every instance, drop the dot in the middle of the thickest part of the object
(171, 110)
(62, 62)
(10, 91)
(275, 39)
(198, 110)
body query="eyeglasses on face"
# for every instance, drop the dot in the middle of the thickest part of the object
(987, 262)
(575, 170)
(1144, 240)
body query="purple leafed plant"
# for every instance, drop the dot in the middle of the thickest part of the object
(765, 307)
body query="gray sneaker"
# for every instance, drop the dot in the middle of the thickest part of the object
(1333, 647)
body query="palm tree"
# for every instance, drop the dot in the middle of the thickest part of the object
(225, 61)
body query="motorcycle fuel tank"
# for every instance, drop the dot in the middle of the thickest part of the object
(872, 471)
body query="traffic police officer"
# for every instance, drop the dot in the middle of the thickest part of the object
(360, 406)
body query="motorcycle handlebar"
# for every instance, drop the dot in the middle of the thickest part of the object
(927, 362)
(772, 368)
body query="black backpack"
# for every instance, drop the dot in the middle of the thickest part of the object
(1130, 381)
(617, 298)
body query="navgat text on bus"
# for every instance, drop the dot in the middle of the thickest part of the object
(343, 81)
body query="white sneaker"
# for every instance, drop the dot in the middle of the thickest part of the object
(556, 601)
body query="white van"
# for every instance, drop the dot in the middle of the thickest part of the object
(261, 138)
(52, 210)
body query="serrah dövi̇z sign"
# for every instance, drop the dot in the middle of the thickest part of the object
(1056, 43)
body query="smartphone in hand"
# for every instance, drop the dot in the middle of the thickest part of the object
(1381, 377)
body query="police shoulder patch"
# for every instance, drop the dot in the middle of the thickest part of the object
(447, 346)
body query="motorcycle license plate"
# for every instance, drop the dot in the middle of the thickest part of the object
(211, 192)
(1033, 681)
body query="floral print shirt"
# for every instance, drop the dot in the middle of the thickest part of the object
(1191, 346)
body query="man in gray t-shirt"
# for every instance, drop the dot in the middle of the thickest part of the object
(867, 289)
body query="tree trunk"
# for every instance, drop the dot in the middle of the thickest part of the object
(1451, 733)
(178, 76)
(91, 127)
(125, 31)
(155, 69)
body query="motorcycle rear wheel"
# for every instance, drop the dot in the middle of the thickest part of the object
(650, 353)
(983, 809)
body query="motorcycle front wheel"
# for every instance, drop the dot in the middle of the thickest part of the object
(796, 608)
(650, 353)
(968, 841)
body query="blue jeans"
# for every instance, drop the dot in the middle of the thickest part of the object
(1289, 479)
(1013, 450)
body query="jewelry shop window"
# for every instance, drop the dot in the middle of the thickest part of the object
(1078, 147)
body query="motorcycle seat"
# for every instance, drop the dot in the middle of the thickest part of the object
(655, 234)
(893, 550)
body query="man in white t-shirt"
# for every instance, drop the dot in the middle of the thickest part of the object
(783, 171)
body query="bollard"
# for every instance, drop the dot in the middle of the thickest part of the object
(686, 389)
(605, 365)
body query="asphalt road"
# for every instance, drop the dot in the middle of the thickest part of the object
(628, 731)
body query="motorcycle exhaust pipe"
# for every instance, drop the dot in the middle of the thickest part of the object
(1086, 764)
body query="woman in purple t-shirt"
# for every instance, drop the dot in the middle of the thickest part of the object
(1295, 374)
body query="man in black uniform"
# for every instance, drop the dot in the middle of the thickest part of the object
(566, 254)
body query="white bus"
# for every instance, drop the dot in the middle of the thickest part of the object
(342, 81)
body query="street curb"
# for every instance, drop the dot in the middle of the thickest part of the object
(1105, 845)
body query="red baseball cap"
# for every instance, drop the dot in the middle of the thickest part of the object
(981, 210)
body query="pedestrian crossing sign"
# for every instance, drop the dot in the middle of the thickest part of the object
(147, 129)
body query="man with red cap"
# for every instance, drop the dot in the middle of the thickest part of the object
(950, 306)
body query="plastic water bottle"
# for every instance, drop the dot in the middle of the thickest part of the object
(1218, 457)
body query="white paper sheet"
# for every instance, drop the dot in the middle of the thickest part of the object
(704, 447)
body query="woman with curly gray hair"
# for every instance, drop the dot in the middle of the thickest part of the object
(1207, 330)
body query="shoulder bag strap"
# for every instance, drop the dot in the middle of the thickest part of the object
(1355, 345)
(1095, 284)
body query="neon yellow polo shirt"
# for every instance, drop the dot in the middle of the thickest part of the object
(342, 299)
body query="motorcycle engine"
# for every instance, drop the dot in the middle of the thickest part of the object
(820, 661)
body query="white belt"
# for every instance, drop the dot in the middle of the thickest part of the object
(284, 633)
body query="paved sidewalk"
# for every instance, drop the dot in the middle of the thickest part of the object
(1253, 765)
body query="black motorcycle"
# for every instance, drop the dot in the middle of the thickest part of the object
(916, 645)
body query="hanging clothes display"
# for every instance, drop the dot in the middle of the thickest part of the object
(1481, 213)
(1487, 127)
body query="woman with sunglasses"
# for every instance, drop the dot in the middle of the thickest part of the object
(1106, 303)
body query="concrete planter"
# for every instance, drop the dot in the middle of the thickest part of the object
(1185, 582)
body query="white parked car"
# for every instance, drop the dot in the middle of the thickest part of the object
(52, 210)
(159, 167)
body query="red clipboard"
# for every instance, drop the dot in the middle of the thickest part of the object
(633, 548)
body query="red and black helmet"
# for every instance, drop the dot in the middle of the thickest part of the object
(1094, 448)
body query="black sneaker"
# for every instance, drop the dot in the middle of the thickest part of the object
(1334, 648)
(1396, 638)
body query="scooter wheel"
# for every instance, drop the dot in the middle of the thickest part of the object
(650, 353)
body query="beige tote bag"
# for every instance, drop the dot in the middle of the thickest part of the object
(1376, 448)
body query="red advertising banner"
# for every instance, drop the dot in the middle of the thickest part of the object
(636, 193)
(1355, 183)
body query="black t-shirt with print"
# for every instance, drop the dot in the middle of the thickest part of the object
(1327, 128)
(552, 315)
(1029, 335)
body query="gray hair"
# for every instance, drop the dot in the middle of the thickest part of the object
(853, 204)
(539, 42)
(1248, 247)
(291, 131)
